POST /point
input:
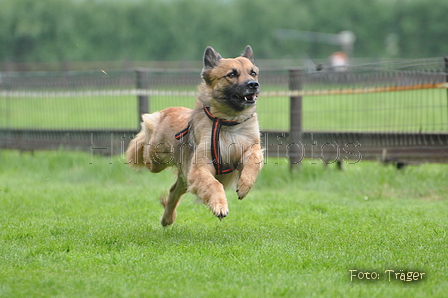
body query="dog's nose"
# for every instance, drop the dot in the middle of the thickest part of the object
(253, 85)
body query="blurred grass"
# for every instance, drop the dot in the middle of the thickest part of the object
(408, 111)
(72, 225)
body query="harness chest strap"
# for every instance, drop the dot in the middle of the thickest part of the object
(216, 154)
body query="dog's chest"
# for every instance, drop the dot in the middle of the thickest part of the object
(233, 142)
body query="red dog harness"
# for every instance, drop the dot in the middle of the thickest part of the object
(216, 155)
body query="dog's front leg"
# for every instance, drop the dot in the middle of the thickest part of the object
(203, 183)
(252, 164)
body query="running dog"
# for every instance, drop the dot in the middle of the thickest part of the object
(216, 145)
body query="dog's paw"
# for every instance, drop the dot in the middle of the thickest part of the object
(243, 189)
(168, 220)
(220, 210)
(169, 216)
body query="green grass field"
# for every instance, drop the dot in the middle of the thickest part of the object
(409, 111)
(72, 225)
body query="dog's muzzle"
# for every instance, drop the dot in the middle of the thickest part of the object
(254, 88)
(241, 96)
(250, 94)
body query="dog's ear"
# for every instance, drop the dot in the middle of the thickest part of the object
(211, 58)
(248, 53)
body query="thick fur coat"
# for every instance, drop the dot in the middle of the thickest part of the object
(188, 139)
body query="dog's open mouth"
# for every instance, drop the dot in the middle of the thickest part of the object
(251, 98)
(248, 99)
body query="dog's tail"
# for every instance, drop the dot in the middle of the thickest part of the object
(136, 149)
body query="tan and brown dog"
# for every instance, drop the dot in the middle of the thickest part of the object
(214, 146)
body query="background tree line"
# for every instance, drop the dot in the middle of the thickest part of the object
(81, 30)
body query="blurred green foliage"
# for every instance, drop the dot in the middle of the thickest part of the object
(81, 30)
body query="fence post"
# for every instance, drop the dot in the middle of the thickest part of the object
(446, 75)
(142, 100)
(295, 128)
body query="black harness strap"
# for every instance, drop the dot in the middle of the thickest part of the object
(215, 149)
(216, 128)
(182, 133)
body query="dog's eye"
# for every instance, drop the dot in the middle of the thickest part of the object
(253, 73)
(231, 75)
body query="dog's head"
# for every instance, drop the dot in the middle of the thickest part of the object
(232, 81)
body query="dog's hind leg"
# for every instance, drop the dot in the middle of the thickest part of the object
(170, 203)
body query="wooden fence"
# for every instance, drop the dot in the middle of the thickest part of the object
(393, 113)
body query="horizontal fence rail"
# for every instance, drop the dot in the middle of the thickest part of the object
(391, 111)
(280, 93)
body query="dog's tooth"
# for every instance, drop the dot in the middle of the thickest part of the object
(245, 98)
